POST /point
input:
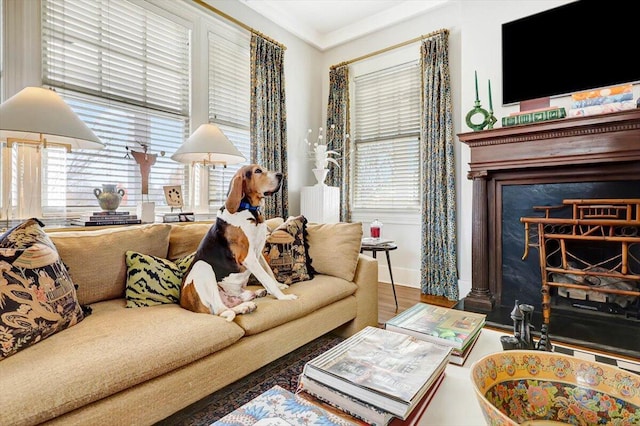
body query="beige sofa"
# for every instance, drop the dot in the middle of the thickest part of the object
(139, 365)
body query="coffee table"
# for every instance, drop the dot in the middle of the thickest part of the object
(455, 403)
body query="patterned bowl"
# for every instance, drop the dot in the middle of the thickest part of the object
(533, 387)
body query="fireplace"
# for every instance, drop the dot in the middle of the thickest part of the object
(516, 168)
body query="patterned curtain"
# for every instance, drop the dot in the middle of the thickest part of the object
(268, 118)
(438, 269)
(337, 135)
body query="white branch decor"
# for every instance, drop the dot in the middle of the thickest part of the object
(319, 152)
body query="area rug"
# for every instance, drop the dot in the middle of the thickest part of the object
(283, 372)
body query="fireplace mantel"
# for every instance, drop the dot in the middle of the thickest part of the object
(605, 146)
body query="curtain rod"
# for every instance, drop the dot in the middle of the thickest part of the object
(386, 49)
(239, 23)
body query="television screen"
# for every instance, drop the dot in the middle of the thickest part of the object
(579, 46)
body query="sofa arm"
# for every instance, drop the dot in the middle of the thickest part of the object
(366, 278)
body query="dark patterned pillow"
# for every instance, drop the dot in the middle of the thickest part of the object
(286, 251)
(37, 295)
(152, 280)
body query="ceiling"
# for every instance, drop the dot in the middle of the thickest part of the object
(329, 23)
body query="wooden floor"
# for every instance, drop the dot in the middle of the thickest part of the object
(407, 297)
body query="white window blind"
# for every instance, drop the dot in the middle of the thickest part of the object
(229, 99)
(387, 139)
(125, 71)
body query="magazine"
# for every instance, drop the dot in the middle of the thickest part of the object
(389, 370)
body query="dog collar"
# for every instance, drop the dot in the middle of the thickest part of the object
(246, 206)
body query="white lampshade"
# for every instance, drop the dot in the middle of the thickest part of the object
(208, 145)
(39, 115)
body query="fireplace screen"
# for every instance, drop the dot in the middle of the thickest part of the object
(592, 257)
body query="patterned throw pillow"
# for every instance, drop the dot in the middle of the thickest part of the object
(286, 251)
(152, 280)
(37, 295)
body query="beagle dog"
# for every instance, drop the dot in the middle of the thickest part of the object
(231, 251)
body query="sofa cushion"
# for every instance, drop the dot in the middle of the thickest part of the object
(273, 223)
(321, 291)
(185, 238)
(334, 248)
(113, 349)
(37, 295)
(153, 280)
(286, 251)
(96, 259)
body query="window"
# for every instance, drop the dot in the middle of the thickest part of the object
(229, 99)
(387, 139)
(125, 70)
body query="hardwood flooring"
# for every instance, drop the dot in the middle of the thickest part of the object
(407, 297)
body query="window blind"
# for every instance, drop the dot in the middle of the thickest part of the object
(387, 139)
(229, 99)
(125, 71)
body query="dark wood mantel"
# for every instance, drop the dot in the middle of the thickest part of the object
(606, 145)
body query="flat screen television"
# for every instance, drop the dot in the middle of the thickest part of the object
(579, 46)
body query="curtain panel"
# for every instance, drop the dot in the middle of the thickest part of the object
(268, 118)
(438, 269)
(337, 135)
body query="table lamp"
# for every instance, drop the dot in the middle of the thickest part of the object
(207, 146)
(39, 116)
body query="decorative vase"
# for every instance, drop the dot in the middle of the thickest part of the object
(321, 175)
(109, 197)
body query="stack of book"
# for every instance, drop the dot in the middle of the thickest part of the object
(378, 376)
(104, 218)
(177, 217)
(534, 116)
(368, 241)
(611, 99)
(449, 327)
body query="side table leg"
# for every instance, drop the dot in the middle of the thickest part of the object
(393, 285)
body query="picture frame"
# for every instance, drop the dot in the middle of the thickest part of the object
(173, 196)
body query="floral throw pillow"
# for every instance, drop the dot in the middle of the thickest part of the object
(37, 295)
(152, 280)
(286, 251)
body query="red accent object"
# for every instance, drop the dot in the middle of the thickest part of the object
(375, 229)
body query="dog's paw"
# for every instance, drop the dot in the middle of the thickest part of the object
(245, 308)
(282, 286)
(288, 297)
(228, 314)
(261, 293)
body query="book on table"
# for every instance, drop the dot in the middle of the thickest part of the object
(278, 406)
(101, 216)
(105, 222)
(177, 217)
(368, 241)
(389, 370)
(368, 413)
(458, 357)
(446, 326)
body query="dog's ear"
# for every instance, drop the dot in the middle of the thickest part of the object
(235, 193)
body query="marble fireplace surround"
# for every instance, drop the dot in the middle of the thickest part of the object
(596, 149)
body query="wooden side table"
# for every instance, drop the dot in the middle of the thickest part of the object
(385, 247)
